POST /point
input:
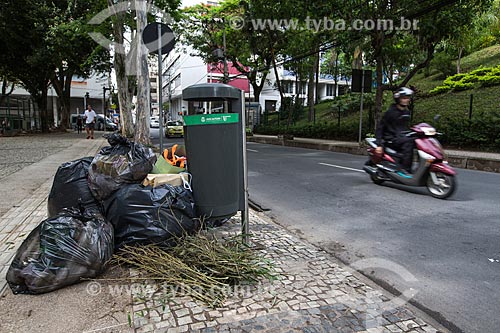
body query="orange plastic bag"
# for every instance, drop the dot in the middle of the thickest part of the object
(174, 159)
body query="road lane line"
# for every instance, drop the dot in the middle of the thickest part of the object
(253, 150)
(341, 167)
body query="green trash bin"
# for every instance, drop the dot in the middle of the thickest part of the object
(214, 152)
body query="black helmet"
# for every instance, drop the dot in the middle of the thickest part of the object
(401, 92)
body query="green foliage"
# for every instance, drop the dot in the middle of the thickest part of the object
(490, 80)
(486, 77)
(291, 108)
(443, 62)
(325, 129)
(440, 90)
(480, 132)
(349, 103)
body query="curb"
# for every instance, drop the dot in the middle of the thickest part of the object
(463, 162)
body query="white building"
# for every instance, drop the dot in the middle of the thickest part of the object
(23, 113)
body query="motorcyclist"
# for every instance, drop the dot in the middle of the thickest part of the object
(392, 127)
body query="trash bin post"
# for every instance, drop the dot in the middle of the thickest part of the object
(245, 216)
(216, 153)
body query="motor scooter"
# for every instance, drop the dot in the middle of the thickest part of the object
(432, 170)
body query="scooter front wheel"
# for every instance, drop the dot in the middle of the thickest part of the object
(441, 185)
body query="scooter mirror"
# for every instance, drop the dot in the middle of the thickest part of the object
(436, 118)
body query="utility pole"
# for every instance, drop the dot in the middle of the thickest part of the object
(160, 90)
(169, 96)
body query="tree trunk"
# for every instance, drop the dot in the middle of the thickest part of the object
(257, 86)
(62, 86)
(4, 93)
(335, 75)
(122, 80)
(40, 98)
(377, 44)
(143, 98)
(278, 81)
(379, 92)
(66, 102)
(317, 72)
(460, 52)
(278, 84)
(310, 92)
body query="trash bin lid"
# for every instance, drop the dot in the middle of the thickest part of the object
(210, 92)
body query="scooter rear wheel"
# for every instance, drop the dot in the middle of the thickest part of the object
(445, 186)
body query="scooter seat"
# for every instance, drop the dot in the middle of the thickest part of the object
(392, 152)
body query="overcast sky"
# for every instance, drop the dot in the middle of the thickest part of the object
(188, 3)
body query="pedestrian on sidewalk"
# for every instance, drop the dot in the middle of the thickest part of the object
(90, 117)
(79, 124)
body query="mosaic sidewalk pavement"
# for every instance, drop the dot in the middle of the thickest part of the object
(312, 294)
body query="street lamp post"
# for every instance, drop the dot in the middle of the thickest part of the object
(222, 53)
(104, 106)
(87, 95)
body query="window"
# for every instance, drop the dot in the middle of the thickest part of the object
(177, 81)
(301, 88)
(330, 90)
(342, 90)
(270, 106)
(287, 87)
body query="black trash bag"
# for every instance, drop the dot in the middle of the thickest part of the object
(60, 251)
(70, 187)
(144, 215)
(122, 162)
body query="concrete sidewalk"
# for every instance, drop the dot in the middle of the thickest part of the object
(314, 292)
(457, 158)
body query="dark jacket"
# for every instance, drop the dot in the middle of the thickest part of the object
(392, 124)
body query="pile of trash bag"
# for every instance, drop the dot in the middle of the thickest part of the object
(70, 187)
(60, 251)
(151, 215)
(96, 206)
(123, 162)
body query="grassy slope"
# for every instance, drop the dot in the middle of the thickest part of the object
(458, 103)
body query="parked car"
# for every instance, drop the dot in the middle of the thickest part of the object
(154, 122)
(110, 125)
(174, 128)
(99, 125)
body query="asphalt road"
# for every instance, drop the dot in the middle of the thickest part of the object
(167, 142)
(445, 252)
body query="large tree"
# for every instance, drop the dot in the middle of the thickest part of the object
(25, 54)
(74, 51)
(143, 107)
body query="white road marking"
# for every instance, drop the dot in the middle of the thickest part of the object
(253, 150)
(341, 167)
